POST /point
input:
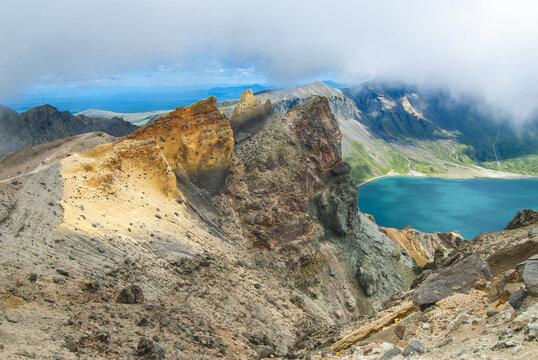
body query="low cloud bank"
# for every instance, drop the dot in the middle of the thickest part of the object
(487, 48)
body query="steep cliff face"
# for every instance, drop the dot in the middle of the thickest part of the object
(45, 123)
(196, 140)
(289, 192)
(523, 218)
(274, 175)
(250, 116)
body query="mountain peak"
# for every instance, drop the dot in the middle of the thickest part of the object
(246, 95)
(316, 88)
(42, 108)
(250, 115)
(196, 140)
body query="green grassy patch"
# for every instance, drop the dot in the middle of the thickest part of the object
(363, 166)
(224, 108)
(398, 162)
(526, 165)
(427, 168)
(462, 154)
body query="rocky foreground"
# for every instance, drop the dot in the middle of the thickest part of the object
(478, 303)
(189, 240)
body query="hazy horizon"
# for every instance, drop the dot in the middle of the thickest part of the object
(485, 48)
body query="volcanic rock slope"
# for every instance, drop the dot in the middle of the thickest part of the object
(478, 302)
(45, 123)
(173, 242)
(196, 141)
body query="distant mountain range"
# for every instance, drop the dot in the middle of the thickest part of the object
(408, 130)
(45, 123)
(387, 128)
(138, 119)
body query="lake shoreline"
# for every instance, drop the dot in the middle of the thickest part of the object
(506, 176)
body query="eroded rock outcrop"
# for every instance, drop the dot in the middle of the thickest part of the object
(274, 175)
(479, 296)
(523, 218)
(196, 140)
(250, 116)
(288, 191)
(292, 256)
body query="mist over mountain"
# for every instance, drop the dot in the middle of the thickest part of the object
(483, 48)
(203, 236)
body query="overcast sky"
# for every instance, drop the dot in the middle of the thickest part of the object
(488, 48)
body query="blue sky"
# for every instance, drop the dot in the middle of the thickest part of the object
(487, 48)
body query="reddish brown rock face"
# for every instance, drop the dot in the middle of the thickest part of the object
(275, 174)
(196, 140)
(316, 129)
(523, 218)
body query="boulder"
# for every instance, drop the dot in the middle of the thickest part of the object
(391, 353)
(530, 277)
(131, 295)
(263, 352)
(516, 299)
(458, 278)
(367, 280)
(150, 350)
(399, 330)
(414, 346)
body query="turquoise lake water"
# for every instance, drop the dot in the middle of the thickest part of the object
(472, 206)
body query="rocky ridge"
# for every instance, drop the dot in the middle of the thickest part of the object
(43, 124)
(473, 306)
(289, 191)
(408, 130)
(121, 250)
(423, 246)
(127, 258)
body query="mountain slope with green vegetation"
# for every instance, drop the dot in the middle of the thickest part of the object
(402, 129)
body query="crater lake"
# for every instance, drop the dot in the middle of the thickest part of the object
(471, 206)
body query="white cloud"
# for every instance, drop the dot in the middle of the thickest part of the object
(488, 48)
